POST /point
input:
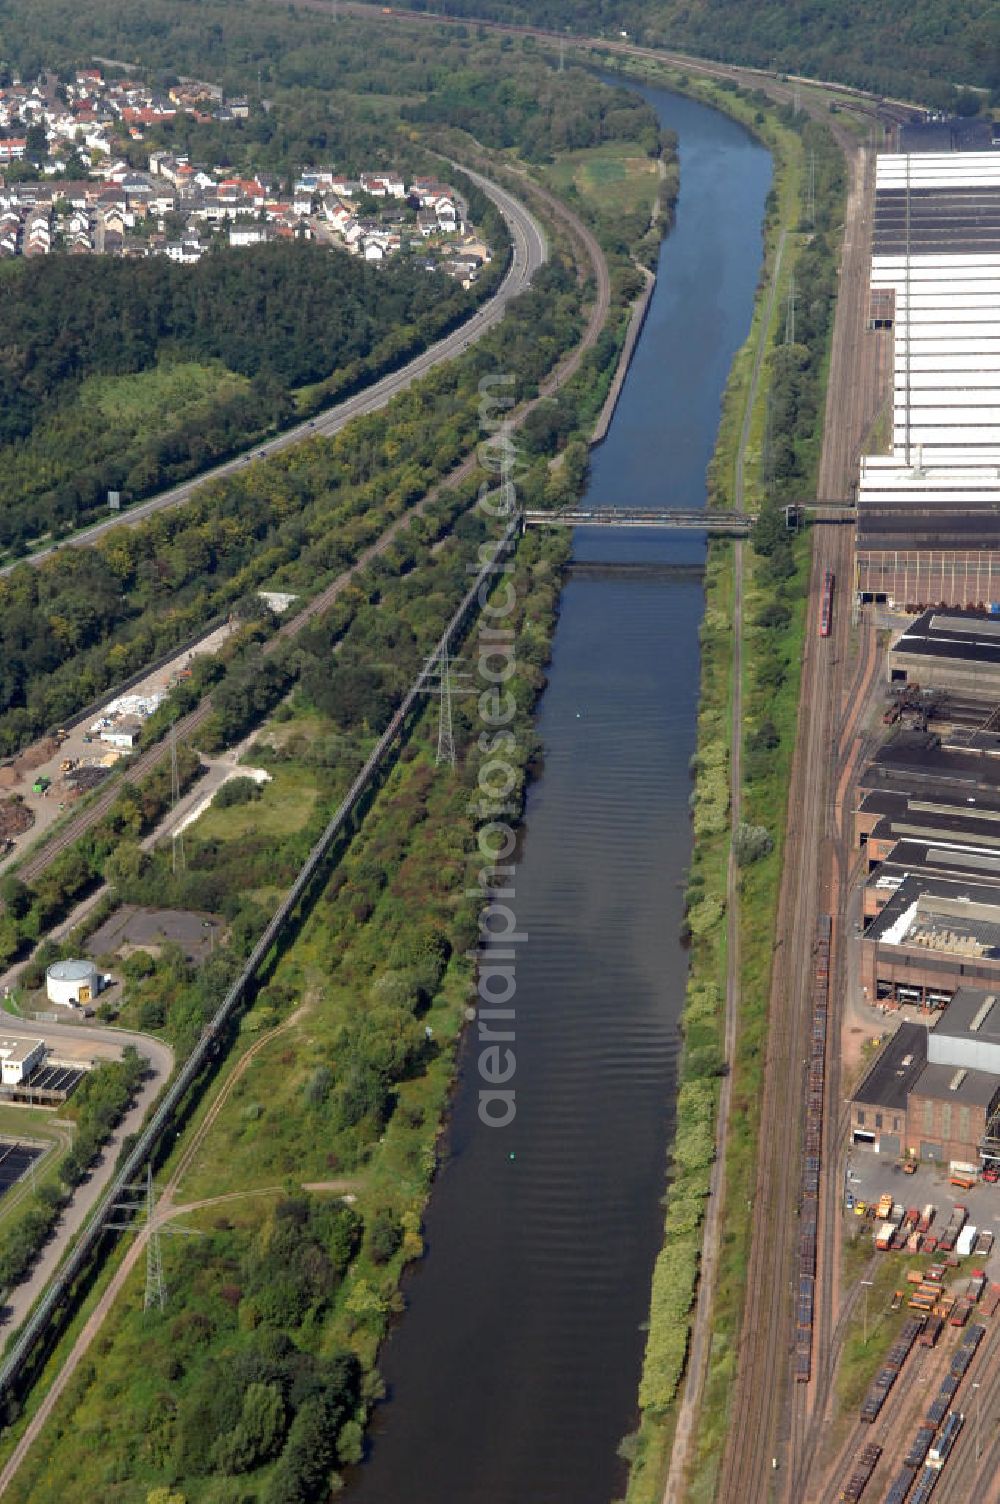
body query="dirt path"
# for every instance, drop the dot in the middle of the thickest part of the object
(166, 1210)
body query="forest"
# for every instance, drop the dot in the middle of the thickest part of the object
(916, 49)
(84, 619)
(279, 316)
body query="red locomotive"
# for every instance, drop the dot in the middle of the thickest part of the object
(826, 604)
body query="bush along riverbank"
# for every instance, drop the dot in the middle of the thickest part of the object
(779, 459)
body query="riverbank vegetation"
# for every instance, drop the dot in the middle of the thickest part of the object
(791, 382)
(340, 1076)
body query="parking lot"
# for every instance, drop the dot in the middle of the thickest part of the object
(870, 1174)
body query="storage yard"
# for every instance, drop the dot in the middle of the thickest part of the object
(61, 768)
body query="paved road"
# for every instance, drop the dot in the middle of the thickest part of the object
(530, 251)
(73, 1216)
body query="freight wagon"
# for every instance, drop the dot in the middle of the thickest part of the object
(863, 1469)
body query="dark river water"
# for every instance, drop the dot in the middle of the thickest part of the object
(513, 1376)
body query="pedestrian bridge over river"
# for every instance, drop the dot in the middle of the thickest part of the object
(726, 524)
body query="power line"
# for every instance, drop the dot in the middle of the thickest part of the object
(177, 836)
(446, 730)
(790, 313)
(156, 1294)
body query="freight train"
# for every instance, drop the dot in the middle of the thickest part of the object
(809, 1192)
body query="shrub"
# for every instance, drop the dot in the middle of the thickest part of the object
(751, 843)
(384, 1236)
(237, 791)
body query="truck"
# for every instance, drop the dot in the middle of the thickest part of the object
(884, 1236)
(956, 1222)
(960, 1314)
(884, 1206)
(991, 1300)
(966, 1240)
(926, 1217)
(976, 1286)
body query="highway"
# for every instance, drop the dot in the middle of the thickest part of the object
(530, 252)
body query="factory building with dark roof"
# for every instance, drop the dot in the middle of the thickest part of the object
(922, 1098)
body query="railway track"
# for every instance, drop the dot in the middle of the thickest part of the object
(765, 1342)
(966, 1477)
(766, 1422)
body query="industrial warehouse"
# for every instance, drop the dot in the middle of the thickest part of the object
(934, 1093)
(929, 510)
(953, 650)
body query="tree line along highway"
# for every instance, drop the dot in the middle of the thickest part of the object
(530, 250)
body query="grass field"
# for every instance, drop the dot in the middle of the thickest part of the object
(156, 396)
(285, 805)
(611, 177)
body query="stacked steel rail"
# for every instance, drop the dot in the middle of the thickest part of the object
(809, 1198)
(917, 1471)
(56, 1299)
(891, 1368)
(860, 1477)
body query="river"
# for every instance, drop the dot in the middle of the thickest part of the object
(512, 1378)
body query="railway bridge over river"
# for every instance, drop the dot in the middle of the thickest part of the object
(718, 523)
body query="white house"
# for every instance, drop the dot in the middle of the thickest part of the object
(18, 1058)
(124, 732)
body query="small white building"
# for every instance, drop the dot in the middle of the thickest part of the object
(18, 1058)
(70, 983)
(123, 733)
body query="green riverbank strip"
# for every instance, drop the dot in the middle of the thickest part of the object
(768, 448)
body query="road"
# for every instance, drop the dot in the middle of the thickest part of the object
(530, 251)
(186, 728)
(110, 1042)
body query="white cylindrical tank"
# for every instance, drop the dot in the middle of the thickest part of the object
(71, 982)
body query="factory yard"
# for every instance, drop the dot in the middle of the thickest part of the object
(131, 928)
(36, 786)
(868, 1177)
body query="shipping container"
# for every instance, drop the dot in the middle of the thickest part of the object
(966, 1241)
(960, 1314)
